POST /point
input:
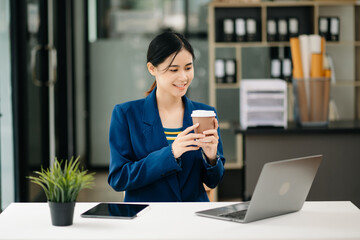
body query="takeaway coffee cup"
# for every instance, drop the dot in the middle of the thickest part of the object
(205, 119)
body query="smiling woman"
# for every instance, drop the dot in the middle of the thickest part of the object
(174, 75)
(162, 52)
(143, 161)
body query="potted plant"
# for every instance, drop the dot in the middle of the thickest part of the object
(62, 185)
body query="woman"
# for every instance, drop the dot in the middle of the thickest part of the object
(145, 161)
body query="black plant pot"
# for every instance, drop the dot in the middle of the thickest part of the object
(62, 214)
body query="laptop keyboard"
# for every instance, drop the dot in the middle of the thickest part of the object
(235, 215)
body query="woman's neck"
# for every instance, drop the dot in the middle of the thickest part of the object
(168, 102)
(171, 111)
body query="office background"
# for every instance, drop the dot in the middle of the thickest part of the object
(101, 61)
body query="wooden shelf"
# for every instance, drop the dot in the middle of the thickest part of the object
(338, 83)
(227, 85)
(346, 83)
(233, 165)
(231, 4)
(261, 11)
(278, 44)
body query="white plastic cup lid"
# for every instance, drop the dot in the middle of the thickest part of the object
(203, 113)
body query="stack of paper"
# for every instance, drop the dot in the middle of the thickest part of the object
(309, 57)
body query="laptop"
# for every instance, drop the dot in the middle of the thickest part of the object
(281, 188)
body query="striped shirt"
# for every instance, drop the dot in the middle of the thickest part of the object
(171, 134)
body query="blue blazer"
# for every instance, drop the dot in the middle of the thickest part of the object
(141, 160)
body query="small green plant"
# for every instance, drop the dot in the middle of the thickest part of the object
(63, 184)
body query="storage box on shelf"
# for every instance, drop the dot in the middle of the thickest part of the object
(263, 103)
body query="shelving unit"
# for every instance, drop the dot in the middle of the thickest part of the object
(223, 96)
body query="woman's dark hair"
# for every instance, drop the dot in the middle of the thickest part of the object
(163, 46)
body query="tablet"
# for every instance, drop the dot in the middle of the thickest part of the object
(114, 210)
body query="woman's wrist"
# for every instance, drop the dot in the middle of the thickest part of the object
(212, 161)
(212, 157)
(173, 153)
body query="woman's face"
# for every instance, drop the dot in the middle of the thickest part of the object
(175, 79)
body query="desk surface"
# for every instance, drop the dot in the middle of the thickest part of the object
(317, 220)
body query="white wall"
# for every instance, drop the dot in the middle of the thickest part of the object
(79, 59)
(6, 120)
(117, 74)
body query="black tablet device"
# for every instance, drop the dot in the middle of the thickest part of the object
(115, 210)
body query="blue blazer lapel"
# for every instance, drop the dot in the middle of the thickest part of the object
(153, 130)
(154, 135)
(189, 107)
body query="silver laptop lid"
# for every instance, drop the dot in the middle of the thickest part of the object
(282, 187)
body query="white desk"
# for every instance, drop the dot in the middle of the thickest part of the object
(317, 220)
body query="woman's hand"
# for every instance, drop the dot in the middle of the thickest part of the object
(210, 142)
(186, 141)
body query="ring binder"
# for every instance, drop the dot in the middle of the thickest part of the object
(293, 27)
(230, 69)
(324, 27)
(240, 30)
(219, 70)
(334, 28)
(271, 30)
(283, 30)
(228, 30)
(251, 29)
